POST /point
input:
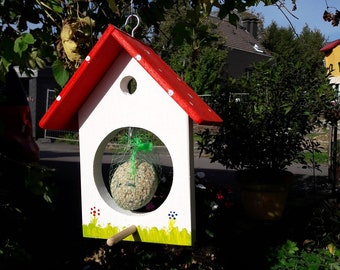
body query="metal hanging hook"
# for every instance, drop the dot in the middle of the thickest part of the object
(127, 20)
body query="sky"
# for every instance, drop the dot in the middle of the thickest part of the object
(308, 12)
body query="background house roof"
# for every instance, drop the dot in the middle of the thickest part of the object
(63, 113)
(242, 45)
(330, 46)
(237, 37)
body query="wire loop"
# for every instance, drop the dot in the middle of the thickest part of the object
(127, 20)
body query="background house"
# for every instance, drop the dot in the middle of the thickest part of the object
(40, 91)
(243, 47)
(332, 65)
(331, 60)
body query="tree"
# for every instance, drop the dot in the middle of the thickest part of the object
(189, 43)
(37, 32)
(303, 64)
(286, 97)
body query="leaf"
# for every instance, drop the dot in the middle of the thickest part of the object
(287, 108)
(56, 7)
(4, 66)
(28, 38)
(69, 45)
(113, 5)
(60, 74)
(331, 248)
(71, 50)
(40, 63)
(67, 32)
(89, 21)
(34, 60)
(207, 5)
(22, 42)
(210, 233)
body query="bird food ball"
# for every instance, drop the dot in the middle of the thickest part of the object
(133, 185)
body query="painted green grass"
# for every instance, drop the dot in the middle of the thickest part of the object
(171, 235)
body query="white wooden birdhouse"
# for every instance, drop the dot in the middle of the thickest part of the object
(98, 101)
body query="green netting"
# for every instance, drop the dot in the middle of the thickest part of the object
(134, 172)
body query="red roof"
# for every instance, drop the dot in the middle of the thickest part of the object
(330, 46)
(63, 113)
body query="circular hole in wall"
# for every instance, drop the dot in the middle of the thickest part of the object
(128, 85)
(137, 169)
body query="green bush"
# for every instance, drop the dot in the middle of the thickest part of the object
(289, 256)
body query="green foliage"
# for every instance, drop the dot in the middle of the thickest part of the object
(189, 43)
(21, 43)
(285, 98)
(320, 245)
(285, 254)
(60, 74)
(44, 21)
(289, 256)
(71, 138)
(203, 73)
(37, 181)
(324, 226)
(321, 157)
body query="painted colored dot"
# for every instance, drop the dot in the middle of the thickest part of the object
(172, 215)
(94, 211)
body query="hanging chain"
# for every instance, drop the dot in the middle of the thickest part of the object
(131, 7)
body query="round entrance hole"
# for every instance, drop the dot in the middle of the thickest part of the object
(128, 85)
(137, 169)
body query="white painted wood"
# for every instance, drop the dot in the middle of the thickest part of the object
(109, 108)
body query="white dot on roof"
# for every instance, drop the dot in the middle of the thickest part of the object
(58, 98)
(190, 96)
(138, 57)
(170, 92)
(87, 58)
(192, 104)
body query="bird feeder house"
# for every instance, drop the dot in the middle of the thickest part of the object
(99, 103)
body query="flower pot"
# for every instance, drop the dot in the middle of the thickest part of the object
(264, 193)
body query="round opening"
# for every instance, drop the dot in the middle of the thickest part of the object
(128, 85)
(137, 169)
